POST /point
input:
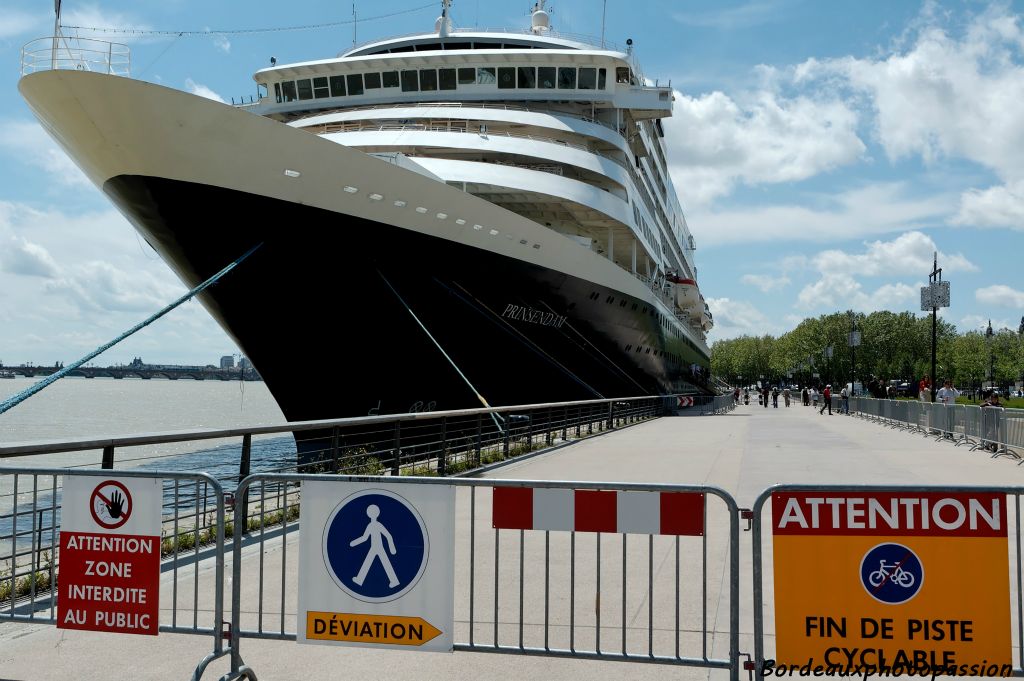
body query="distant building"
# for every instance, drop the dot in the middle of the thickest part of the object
(244, 364)
(227, 362)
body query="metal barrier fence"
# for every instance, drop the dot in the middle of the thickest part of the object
(994, 429)
(192, 528)
(497, 608)
(970, 590)
(714, 404)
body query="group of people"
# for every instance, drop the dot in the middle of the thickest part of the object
(809, 397)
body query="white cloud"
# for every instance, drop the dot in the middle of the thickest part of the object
(203, 91)
(974, 322)
(17, 22)
(28, 259)
(221, 42)
(27, 142)
(736, 318)
(842, 291)
(946, 96)
(999, 206)
(1000, 295)
(763, 137)
(908, 255)
(104, 280)
(873, 209)
(765, 282)
(93, 16)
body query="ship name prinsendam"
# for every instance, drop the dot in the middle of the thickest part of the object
(528, 314)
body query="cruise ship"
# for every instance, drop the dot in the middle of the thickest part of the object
(456, 218)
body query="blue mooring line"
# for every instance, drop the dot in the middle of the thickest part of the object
(17, 399)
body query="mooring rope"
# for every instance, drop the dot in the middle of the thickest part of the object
(17, 399)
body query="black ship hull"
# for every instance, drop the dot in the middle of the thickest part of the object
(394, 320)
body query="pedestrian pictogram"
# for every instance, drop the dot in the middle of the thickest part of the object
(377, 565)
(891, 573)
(376, 545)
(110, 504)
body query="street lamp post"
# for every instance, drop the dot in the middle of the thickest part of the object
(991, 356)
(853, 341)
(828, 364)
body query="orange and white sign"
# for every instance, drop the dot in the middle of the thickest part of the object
(892, 581)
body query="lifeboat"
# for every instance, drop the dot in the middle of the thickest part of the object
(707, 320)
(687, 295)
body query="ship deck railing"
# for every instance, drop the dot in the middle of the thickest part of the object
(75, 54)
(501, 106)
(329, 128)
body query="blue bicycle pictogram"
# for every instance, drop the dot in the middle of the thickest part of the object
(375, 545)
(891, 573)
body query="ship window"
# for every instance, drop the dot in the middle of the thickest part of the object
(588, 79)
(446, 79)
(485, 76)
(467, 76)
(277, 92)
(288, 91)
(371, 80)
(428, 80)
(622, 75)
(458, 46)
(337, 86)
(410, 81)
(428, 47)
(601, 78)
(527, 77)
(566, 78)
(320, 89)
(390, 78)
(546, 77)
(506, 78)
(355, 83)
(404, 48)
(305, 88)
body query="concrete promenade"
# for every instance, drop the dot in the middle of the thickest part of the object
(742, 452)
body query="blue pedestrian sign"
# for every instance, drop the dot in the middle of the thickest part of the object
(891, 573)
(375, 545)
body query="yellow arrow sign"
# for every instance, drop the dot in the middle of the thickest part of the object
(357, 628)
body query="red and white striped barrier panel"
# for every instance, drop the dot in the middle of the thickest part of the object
(685, 401)
(584, 510)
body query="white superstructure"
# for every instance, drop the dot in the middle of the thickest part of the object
(553, 128)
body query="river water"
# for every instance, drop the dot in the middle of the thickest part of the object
(74, 408)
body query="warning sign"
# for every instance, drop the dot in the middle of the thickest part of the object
(879, 581)
(377, 565)
(110, 555)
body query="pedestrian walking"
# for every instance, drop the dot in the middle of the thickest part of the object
(764, 397)
(947, 393)
(805, 396)
(775, 397)
(845, 394)
(826, 400)
(746, 397)
(785, 395)
(814, 398)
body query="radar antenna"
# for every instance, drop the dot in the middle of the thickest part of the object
(540, 19)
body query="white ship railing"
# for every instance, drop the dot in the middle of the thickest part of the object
(76, 54)
(467, 105)
(329, 128)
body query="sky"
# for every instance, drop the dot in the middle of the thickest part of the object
(822, 152)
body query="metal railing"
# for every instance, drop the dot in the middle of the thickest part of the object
(193, 527)
(994, 429)
(490, 614)
(76, 54)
